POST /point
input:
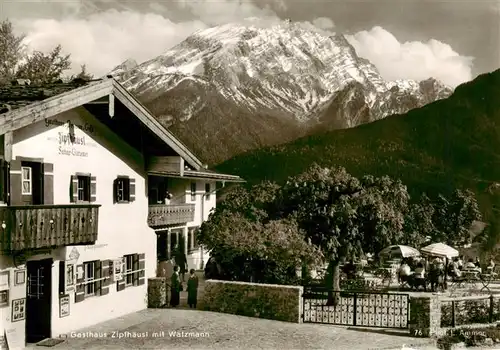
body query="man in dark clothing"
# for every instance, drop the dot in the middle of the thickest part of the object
(175, 288)
(181, 261)
(192, 289)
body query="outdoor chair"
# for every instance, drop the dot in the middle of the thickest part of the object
(416, 283)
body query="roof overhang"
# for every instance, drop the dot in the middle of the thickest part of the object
(38, 111)
(197, 175)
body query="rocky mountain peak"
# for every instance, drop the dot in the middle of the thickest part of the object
(283, 74)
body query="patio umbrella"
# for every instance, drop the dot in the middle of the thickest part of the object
(441, 250)
(403, 251)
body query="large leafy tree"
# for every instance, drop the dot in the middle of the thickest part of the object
(453, 217)
(38, 67)
(251, 246)
(339, 214)
(343, 215)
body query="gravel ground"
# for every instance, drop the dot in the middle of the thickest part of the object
(209, 330)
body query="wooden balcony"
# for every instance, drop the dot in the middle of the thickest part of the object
(170, 214)
(45, 226)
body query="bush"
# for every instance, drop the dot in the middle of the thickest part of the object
(470, 336)
(469, 312)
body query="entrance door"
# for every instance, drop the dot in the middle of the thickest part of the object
(32, 183)
(38, 300)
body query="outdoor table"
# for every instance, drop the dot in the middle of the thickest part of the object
(467, 276)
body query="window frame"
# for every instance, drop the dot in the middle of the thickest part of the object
(194, 245)
(193, 191)
(208, 190)
(125, 182)
(86, 192)
(129, 273)
(29, 180)
(90, 283)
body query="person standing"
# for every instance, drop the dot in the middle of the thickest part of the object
(165, 270)
(175, 288)
(181, 261)
(192, 289)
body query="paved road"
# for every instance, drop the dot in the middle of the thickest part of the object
(189, 329)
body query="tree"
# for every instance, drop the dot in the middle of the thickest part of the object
(249, 245)
(38, 67)
(344, 216)
(419, 225)
(12, 51)
(44, 68)
(453, 217)
(83, 75)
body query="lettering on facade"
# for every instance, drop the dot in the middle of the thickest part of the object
(93, 247)
(69, 142)
(69, 124)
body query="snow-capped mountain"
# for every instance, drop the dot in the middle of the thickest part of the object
(232, 88)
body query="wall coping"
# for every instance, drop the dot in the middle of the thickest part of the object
(470, 297)
(256, 284)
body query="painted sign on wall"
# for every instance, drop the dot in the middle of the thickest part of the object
(69, 142)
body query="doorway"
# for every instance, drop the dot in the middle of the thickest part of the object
(32, 183)
(38, 300)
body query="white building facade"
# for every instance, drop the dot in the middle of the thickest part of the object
(79, 169)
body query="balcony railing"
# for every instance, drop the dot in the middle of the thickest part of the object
(170, 214)
(44, 226)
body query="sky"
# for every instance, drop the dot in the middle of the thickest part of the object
(451, 40)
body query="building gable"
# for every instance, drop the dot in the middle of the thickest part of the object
(39, 111)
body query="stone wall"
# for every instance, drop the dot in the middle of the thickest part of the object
(269, 301)
(157, 292)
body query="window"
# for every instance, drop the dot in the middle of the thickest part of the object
(173, 242)
(90, 284)
(122, 189)
(207, 191)
(26, 179)
(193, 191)
(192, 240)
(83, 188)
(129, 269)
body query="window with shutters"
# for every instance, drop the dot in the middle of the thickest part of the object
(193, 191)
(129, 269)
(83, 188)
(90, 268)
(122, 186)
(26, 173)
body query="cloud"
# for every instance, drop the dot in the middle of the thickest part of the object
(102, 38)
(411, 60)
(106, 39)
(323, 23)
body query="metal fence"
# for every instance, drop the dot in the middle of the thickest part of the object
(365, 309)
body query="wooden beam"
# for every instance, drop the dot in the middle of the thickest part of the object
(111, 106)
(154, 125)
(7, 139)
(50, 107)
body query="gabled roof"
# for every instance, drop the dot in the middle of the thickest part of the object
(21, 106)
